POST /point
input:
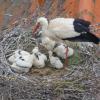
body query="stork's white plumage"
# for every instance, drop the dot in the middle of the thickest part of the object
(18, 53)
(23, 58)
(18, 69)
(11, 59)
(60, 51)
(47, 43)
(36, 51)
(22, 61)
(39, 58)
(55, 61)
(66, 29)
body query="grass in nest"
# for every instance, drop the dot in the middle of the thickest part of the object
(69, 85)
(59, 85)
(76, 59)
(48, 71)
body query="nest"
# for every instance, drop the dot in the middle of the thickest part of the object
(15, 39)
(20, 38)
(70, 78)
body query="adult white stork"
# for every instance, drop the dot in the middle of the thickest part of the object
(66, 29)
(61, 29)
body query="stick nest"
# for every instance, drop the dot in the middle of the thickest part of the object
(72, 82)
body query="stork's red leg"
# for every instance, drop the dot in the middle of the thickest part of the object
(66, 60)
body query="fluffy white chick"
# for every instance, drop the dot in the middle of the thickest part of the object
(39, 58)
(55, 61)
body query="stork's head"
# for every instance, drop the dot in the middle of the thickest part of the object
(41, 22)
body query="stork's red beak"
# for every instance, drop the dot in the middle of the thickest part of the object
(35, 28)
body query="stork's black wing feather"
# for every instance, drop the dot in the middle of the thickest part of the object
(82, 26)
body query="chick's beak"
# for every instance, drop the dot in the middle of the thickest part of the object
(37, 26)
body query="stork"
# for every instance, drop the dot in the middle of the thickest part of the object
(39, 58)
(61, 29)
(71, 29)
(55, 61)
(21, 61)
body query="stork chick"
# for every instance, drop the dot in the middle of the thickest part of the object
(39, 58)
(55, 61)
(21, 59)
(48, 43)
(17, 53)
(11, 59)
(60, 51)
(18, 69)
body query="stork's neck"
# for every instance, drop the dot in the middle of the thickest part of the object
(44, 26)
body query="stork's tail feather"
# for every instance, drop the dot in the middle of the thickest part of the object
(93, 38)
